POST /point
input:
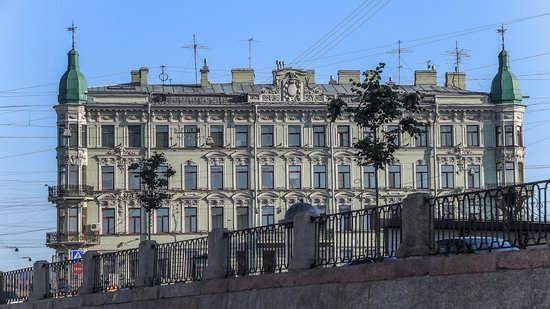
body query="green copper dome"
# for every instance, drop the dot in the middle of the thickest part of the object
(73, 86)
(505, 87)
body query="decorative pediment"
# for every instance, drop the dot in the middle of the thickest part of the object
(290, 85)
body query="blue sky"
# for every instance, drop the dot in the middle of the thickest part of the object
(116, 36)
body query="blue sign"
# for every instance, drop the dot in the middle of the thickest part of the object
(77, 254)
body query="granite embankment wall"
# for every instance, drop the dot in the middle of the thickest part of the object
(518, 279)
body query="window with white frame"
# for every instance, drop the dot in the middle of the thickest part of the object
(241, 176)
(394, 176)
(216, 177)
(268, 215)
(344, 177)
(190, 219)
(368, 177)
(343, 136)
(447, 176)
(446, 135)
(320, 176)
(422, 181)
(268, 177)
(294, 136)
(107, 177)
(242, 218)
(474, 176)
(190, 177)
(472, 135)
(267, 136)
(217, 217)
(295, 176)
(163, 222)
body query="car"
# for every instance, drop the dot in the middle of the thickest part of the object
(474, 244)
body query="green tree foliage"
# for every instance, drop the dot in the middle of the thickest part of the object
(153, 179)
(379, 104)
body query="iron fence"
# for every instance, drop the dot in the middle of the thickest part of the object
(504, 217)
(181, 261)
(65, 278)
(16, 285)
(259, 250)
(357, 236)
(116, 270)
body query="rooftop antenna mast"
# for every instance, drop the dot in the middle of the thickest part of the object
(195, 46)
(163, 76)
(501, 32)
(458, 55)
(399, 51)
(72, 29)
(250, 50)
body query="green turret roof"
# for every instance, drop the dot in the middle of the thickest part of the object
(505, 87)
(73, 86)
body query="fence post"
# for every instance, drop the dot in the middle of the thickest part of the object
(88, 272)
(146, 263)
(40, 281)
(415, 226)
(303, 244)
(217, 254)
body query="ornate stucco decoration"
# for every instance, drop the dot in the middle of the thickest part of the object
(216, 203)
(216, 161)
(119, 156)
(341, 160)
(290, 85)
(241, 160)
(267, 160)
(458, 154)
(189, 202)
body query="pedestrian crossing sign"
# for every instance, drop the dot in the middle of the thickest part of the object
(77, 254)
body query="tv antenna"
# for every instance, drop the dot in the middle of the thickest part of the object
(163, 76)
(250, 41)
(458, 55)
(72, 30)
(195, 46)
(399, 51)
(501, 32)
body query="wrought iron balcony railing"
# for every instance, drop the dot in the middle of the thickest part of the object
(69, 190)
(54, 238)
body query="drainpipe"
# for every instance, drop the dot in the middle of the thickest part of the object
(148, 129)
(434, 142)
(333, 171)
(256, 170)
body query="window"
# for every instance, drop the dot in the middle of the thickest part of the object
(343, 136)
(108, 177)
(344, 177)
(217, 217)
(62, 223)
(421, 139)
(447, 176)
(134, 181)
(108, 221)
(190, 219)
(394, 132)
(162, 171)
(242, 218)
(472, 135)
(267, 136)
(474, 177)
(394, 175)
(498, 133)
(163, 224)
(84, 135)
(242, 176)
(368, 177)
(134, 224)
(509, 173)
(108, 136)
(509, 135)
(216, 177)
(241, 136)
(73, 140)
(190, 177)
(73, 176)
(519, 136)
(73, 219)
(346, 218)
(62, 176)
(216, 133)
(134, 136)
(162, 136)
(320, 176)
(190, 136)
(295, 176)
(294, 136)
(446, 136)
(422, 177)
(318, 136)
(268, 215)
(369, 133)
(268, 177)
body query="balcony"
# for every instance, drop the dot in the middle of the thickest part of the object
(78, 191)
(55, 239)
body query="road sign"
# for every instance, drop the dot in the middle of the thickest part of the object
(77, 268)
(77, 254)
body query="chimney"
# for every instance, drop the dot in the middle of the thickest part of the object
(143, 72)
(135, 76)
(344, 77)
(425, 78)
(311, 77)
(204, 74)
(455, 80)
(242, 76)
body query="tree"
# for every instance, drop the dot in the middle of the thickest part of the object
(377, 105)
(153, 173)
